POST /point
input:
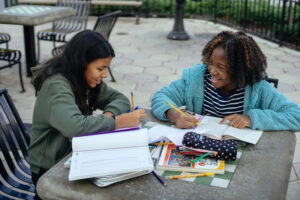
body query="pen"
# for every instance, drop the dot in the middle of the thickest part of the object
(159, 178)
(199, 150)
(178, 110)
(201, 157)
(132, 101)
(190, 175)
(163, 143)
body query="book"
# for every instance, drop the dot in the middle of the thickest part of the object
(111, 179)
(171, 159)
(100, 155)
(208, 126)
(226, 132)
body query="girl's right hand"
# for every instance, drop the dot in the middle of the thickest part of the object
(184, 121)
(131, 119)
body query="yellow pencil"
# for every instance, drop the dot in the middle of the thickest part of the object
(178, 110)
(132, 102)
(163, 143)
(190, 175)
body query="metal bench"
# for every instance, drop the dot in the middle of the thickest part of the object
(133, 3)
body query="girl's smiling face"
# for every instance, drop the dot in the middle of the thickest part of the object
(96, 71)
(219, 71)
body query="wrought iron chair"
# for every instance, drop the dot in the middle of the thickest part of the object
(61, 28)
(12, 57)
(272, 81)
(4, 38)
(8, 3)
(14, 141)
(104, 26)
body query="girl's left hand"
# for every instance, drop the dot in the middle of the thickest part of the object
(237, 120)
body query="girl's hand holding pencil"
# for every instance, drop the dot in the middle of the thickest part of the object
(181, 119)
(131, 119)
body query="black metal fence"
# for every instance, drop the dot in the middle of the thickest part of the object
(275, 20)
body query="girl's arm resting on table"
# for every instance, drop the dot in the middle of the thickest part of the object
(277, 113)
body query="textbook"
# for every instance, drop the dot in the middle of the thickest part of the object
(99, 155)
(226, 132)
(171, 160)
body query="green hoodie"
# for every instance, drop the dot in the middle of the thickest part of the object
(57, 118)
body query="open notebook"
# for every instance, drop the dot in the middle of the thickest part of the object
(226, 132)
(209, 126)
(109, 154)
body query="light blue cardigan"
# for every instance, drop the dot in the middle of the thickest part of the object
(267, 108)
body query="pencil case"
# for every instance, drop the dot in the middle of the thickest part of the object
(226, 149)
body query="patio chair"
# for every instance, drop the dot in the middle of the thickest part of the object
(61, 28)
(14, 141)
(12, 57)
(8, 3)
(272, 81)
(104, 26)
(4, 38)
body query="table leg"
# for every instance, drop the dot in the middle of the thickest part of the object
(178, 32)
(29, 48)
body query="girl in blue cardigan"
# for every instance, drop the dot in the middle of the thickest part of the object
(229, 84)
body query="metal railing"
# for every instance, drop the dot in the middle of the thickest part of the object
(275, 20)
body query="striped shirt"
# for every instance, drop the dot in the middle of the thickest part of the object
(220, 105)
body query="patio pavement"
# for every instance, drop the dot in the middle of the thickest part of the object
(145, 61)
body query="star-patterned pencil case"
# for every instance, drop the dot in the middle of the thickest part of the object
(226, 149)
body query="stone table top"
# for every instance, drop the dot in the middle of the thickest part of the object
(32, 15)
(262, 173)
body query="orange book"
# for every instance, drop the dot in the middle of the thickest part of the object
(172, 160)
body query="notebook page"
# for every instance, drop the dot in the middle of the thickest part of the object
(245, 134)
(88, 164)
(111, 141)
(160, 132)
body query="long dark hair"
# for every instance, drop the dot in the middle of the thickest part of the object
(247, 63)
(84, 48)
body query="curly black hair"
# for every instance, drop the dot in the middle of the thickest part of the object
(247, 63)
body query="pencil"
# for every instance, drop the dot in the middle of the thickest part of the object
(159, 178)
(178, 110)
(190, 175)
(132, 101)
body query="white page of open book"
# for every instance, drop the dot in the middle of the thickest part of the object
(89, 164)
(161, 132)
(212, 123)
(228, 132)
(112, 140)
